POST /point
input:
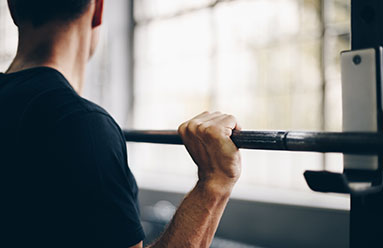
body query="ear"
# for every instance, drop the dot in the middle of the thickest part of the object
(98, 13)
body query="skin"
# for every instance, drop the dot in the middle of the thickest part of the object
(67, 47)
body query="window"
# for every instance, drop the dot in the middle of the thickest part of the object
(273, 64)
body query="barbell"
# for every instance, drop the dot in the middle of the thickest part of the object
(323, 142)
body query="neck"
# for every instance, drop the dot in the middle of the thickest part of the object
(66, 51)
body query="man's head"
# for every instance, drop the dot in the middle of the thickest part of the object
(55, 16)
(40, 12)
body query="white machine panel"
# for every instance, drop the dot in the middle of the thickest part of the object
(359, 89)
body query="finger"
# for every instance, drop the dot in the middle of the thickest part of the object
(227, 121)
(216, 122)
(216, 128)
(207, 116)
(238, 127)
(205, 113)
(192, 125)
(229, 124)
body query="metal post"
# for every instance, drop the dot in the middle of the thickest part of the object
(366, 216)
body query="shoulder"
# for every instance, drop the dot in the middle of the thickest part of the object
(56, 104)
(51, 97)
(59, 104)
(67, 123)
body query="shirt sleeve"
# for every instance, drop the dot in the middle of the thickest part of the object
(101, 183)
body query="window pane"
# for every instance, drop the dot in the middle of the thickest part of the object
(173, 70)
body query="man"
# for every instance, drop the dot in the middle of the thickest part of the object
(64, 174)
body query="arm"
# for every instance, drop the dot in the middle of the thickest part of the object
(196, 220)
(207, 139)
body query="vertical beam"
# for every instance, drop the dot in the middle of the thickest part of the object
(366, 23)
(366, 216)
(323, 59)
(131, 33)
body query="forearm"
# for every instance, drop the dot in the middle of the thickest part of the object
(196, 220)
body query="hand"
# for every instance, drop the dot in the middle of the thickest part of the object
(207, 139)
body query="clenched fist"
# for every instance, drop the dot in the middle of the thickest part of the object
(207, 139)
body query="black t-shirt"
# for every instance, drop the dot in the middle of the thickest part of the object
(64, 176)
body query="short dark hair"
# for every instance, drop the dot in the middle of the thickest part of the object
(40, 12)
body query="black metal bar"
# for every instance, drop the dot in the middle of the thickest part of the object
(366, 216)
(353, 143)
(158, 137)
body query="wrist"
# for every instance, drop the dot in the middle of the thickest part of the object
(217, 187)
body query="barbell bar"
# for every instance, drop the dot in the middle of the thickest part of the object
(322, 142)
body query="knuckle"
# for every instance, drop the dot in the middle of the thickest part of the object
(227, 132)
(212, 131)
(231, 117)
(192, 127)
(181, 128)
(205, 113)
(201, 128)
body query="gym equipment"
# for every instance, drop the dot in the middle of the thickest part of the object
(361, 141)
(350, 142)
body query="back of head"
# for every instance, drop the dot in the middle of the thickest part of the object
(40, 12)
